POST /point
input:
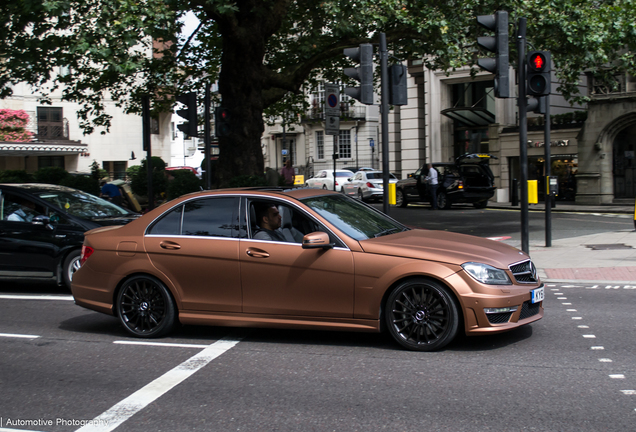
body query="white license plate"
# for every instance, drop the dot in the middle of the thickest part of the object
(537, 295)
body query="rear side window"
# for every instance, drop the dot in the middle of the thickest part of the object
(207, 217)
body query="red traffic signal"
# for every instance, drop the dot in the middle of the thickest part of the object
(222, 122)
(537, 61)
(539, 80)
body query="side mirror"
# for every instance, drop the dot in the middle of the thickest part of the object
(44, 221)
(317, 240)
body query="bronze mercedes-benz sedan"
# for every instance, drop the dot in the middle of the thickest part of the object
(302, 258)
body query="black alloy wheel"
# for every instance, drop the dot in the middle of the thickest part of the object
(145, 307)
(400, 199)
(421, 315)
(442, 201)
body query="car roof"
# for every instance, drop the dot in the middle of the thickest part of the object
(37, 187)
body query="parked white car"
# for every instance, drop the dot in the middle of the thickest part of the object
(324, 179)
(367, 185)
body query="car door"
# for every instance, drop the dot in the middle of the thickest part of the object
(195, 245)
(29, 248)
(281, 278)
(352, 188)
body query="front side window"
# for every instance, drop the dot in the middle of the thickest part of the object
(14, 208)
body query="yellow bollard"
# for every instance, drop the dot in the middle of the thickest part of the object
(533, 192)
(391, 193)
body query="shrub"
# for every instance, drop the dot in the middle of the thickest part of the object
(184, 182)
(51, 175)
(15, 176)
(139, 181)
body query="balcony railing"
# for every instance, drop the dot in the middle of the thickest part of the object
(347, 112)
(52, 131)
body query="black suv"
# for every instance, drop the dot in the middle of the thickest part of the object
(467, 180)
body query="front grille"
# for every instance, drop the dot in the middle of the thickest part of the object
(528, 309)
(524, 272)
(499, 318)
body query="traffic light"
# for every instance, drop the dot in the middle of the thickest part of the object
(190, 114)
(364, 73)
(538, 73)
(397, 89)
(221, 122)
(499, 45)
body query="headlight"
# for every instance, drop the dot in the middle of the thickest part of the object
(486, 274)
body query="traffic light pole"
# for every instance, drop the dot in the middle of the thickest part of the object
(384, 110)
(523, 133)
(207, 137)
(145, 123)
(548, 174)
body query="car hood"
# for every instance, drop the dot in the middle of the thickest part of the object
(443, 246)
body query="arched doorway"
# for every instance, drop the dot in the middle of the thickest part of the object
(624, 163)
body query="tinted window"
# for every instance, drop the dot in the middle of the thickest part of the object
(169, 224)
(211, 217)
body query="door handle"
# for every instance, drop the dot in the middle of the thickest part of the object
(255, 253)
(169, 245)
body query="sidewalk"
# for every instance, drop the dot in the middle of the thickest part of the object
(596, 258)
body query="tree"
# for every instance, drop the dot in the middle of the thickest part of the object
(264, 51)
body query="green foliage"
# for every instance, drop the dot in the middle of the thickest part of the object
(184, 182)
(82, 182)
(15, 176)
(139, 181)
(51, 175)
(247, 181)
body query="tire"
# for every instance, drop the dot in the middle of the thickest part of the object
(360, 195)
(443, 201)
(481, 204)
(400, 199)
(145, 307)
(70, 266)
(421, 315)
(324, 187)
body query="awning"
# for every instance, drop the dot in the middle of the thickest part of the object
(57, 148)
(470, 116)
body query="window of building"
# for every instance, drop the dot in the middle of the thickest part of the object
(320, 145)
(50, 161)
(116, 169)
(344, 144)
(50, 123)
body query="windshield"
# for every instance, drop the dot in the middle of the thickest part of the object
(82, 204)
(344, 174)
(352, 217)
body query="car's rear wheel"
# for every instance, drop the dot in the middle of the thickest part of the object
(360, 195)
(145, 307)
(400, 199)
(442, 201)
(70, 266)
(324, 187)
(421, 315)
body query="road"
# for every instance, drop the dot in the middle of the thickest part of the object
(574, 370)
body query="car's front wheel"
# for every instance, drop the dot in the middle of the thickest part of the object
(70, 266)
(145, 307)
(421, 315)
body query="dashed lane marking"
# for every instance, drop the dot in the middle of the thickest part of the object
(23, 336)
(36, 297)
(161, 344)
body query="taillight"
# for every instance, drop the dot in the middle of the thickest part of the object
(86, 252)
(371, 185)
(337, 184)
(461, 185)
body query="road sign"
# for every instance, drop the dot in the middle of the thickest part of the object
(332, 100)
(332, 125)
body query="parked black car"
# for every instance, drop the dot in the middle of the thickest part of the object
(467, 180)
(42, 229)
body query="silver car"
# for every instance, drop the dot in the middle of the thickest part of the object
(367, 185)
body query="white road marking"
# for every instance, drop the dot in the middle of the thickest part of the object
(36, 297)
(617, 376)
(566, 304)
(25, 336)
(605, 360)
(583, 326)
(161, 344)
(629, 392)
(597, 348)
(119, 413)
(571, 310)
(577, 318)
(589, 336)
(562, 298)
